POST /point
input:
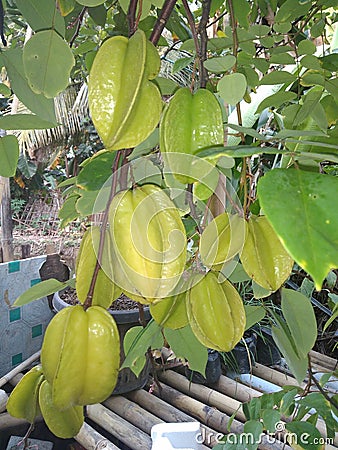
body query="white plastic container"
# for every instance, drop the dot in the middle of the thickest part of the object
(182, 436)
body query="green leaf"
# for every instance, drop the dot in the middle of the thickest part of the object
(220, 64)
(4, 90)
(66, 6)
(254, 430)
(232, 88)
(24, 122)
(48, 61)
(40, 290)
(304, 435)
(308, 225)
(332, 318)
(278, 77)
(317, 401)
(253, 315)
(282, 336)
(136, 343)
(166, 85)
(317, 28)
(270, 418)
(98, 14)
(26, 166)
(276, 100)
(311, 62)
(182, 63)
(9, 155)
(96, 171)
(241, 11)
(185, 345)
(42, 15)
(36, 103)
(310, 101)
(91, 2)
(297, 310)
(68, 212)
(287, 404)
(259, 291)
(306, 47)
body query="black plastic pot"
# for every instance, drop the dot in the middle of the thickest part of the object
(267, 352)
(125, 319)
(241, 358)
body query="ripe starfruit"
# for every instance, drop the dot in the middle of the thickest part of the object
(192, 121)
(105, 290)
(23, 401)
(222, 239)
(64, 424)
(149, 242)
(263, 256)
(215, 311)
(124, 104)
(80, 356)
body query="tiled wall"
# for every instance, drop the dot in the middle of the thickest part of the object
(21, 328)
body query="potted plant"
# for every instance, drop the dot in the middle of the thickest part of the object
(180, 186)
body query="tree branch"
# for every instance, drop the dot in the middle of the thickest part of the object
(192, 26)
(78, 22)
(131, 15)
(202, 29)
(162, 20)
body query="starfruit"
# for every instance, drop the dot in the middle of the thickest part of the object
(192, 121)
(105, 290)
(80, 356)
(64, 424)
(23, 401)
(263, 256)
(222, 239)
(124, 104)
(170, 312)
(149, 242)
(215, 311)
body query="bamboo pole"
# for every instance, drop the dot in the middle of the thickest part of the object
(203, 393)
(6, 378)
(275, 377)
(132, 412)
(210, 416)
(324, 360)
(118, 427)
(235, 389)
(3, 400)
(90, 439)
(169, 413)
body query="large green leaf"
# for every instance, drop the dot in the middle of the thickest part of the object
(278, 76)
(253, 315)
(9, 155)
(42, 15)
(40, 290)
(302, 208)
(282, 336)
(48, 61)
(24, 122)
(91, 2)
(232, 88)
(185, 345)
(297, 310)
(303, 435)
(36, 103)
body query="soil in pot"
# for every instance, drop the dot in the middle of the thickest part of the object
(126, 314)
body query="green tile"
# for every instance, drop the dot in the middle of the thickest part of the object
(14, 314)
(13, 266)
(35, 281)
(16, 359)
(37, 330)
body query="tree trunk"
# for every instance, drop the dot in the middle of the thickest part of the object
(6, 220)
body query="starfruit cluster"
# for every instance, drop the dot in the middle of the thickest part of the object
(80, 360)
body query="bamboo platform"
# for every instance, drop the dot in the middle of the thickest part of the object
(125, 421)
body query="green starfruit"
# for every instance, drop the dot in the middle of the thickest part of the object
(124, 104)
(263, 256)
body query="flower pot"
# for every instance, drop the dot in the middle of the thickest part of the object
(125, 319)
(267, 352)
